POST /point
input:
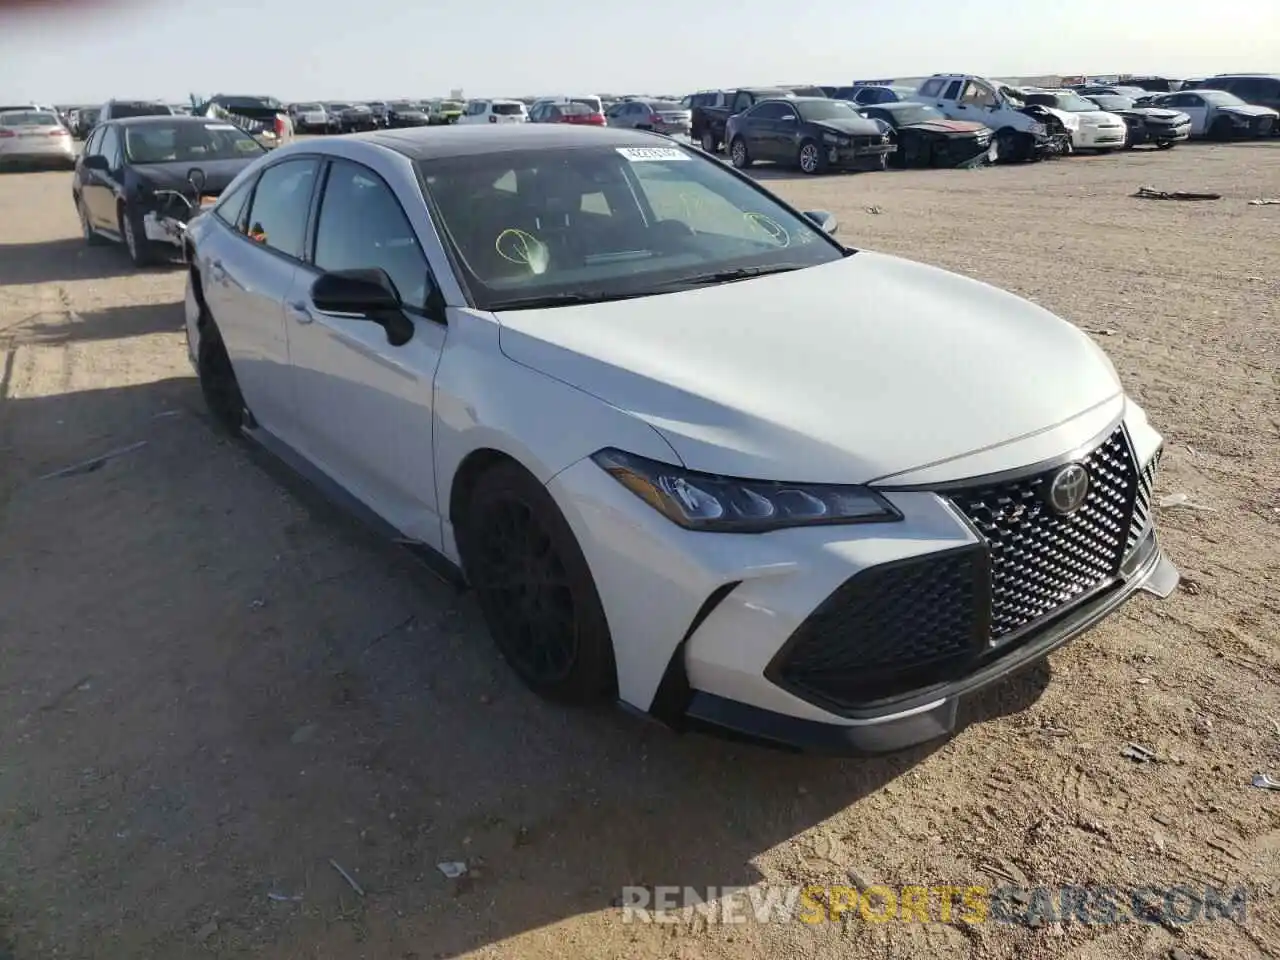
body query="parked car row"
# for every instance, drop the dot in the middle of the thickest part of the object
(340, 116)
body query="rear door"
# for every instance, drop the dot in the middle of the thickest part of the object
(248, 273)
(365, 407)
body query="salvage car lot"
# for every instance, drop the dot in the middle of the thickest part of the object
(212, 685)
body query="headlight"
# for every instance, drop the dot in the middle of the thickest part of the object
(1039, 129)
(885, 138)
(702, 501)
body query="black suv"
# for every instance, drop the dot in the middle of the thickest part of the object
(1261, 89)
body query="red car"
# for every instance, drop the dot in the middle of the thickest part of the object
(578, 113)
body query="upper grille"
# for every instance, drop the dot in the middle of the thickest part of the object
(891, 628)
(1142, 512)
(1042, 560)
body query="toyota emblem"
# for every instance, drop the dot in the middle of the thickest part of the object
(1069, 488)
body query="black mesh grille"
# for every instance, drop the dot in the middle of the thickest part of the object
(1042, 560)
(891, 628)
(1142, 505)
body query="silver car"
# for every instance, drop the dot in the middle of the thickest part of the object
(660, 116)
(35, 137)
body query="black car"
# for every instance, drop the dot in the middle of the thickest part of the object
(925, 137)
(379, 111)
(813, 133)
(405, 113)
(138, 180)
(356, 118)
(1159, 126)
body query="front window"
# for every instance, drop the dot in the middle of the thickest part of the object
(531, 226)
(820, 110)
(188, 143)
(508, 109)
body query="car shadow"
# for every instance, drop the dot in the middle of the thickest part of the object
(231, 674)
(110, 323)
(57, 261)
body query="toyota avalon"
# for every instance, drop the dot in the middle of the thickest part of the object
(689, 451)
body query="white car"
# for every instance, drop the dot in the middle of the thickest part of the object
(696, 456)
(1220, 115)
(35, 137)
(1097, 129)
(310, 118)
(494, 111)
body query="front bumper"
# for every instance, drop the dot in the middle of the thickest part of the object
(706, 626)
(1098, 138)
(857, 155)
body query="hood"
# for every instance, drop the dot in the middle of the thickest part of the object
(953, 127)
(1098, 117)
(1069, 120)
(1155, 113)
(854, 126)
(841, 373)
(1248, 110)
(173, 176)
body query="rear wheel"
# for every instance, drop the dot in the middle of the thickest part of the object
(218, 382)
(709, 142)
(534, 588)
(1007, 144)
(810, 158)
(738, 155)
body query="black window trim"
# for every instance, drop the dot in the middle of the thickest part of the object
(424, 312)
(248, 207)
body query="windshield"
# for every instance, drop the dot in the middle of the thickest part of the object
(1220, 98)
(915, 113)
(1107, 102)
(451, 105)
(1063, 101)
(665, 105)
(307, 107)
(607, 222)
(120, 111)
(339, 106)
(828, 110)
(401, 105)
(29, 118)
(507, 109)
(188, 143)
(807, 91)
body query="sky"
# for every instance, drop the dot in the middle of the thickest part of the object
(73, 52)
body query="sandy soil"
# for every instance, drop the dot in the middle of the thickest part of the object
(211, 684)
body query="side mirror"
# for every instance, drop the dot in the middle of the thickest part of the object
(196, 177)
(96, 161)
(826, 222)
(364, 295)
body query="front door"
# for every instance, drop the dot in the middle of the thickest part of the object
(1195, 107)
(104, 186)
(248, 273)
(365, 407)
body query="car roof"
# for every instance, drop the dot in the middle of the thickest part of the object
(462, 141)
(166, 119)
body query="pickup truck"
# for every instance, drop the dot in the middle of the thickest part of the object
(1022, 132)
(713, 108)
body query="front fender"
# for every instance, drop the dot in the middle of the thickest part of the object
(486, 401)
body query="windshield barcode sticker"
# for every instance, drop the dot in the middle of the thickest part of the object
(638, 154)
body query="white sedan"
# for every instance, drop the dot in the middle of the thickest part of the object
(690, 452)
(35, 137)
(1097, 129)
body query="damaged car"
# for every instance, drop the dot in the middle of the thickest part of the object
(1158, 126)
(140, 180)
(815, 134)
(1096, 129)
(1023, 131)
(926, 137)
(1219, 115)
(265, 119)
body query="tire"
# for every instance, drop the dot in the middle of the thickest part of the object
(738, 155)
(879, 163)
(535, 589)
(1221, 130)
(91, 236)
(1106, 149)
(810, 158)
(709, 142)
(1008, 145)
(218, 383)
(134, 237)
(1165, 145)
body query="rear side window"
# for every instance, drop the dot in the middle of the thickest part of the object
(231, 206)
(278, 211)
(507, 109)
(931, 88)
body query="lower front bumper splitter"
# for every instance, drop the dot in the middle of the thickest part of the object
(915, 722)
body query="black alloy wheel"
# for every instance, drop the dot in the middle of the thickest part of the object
(535, 589)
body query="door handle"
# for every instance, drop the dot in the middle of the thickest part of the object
(300, 311)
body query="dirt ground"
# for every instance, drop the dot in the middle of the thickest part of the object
(212, 685)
